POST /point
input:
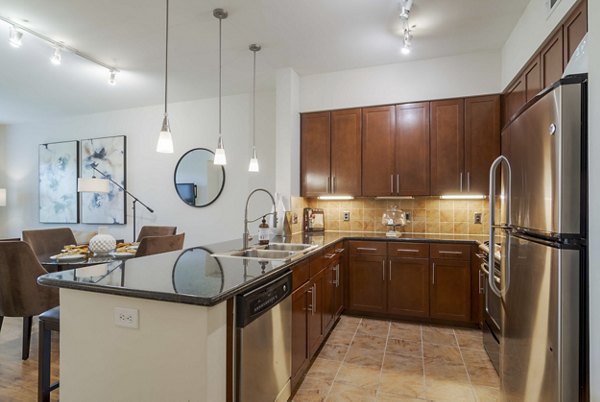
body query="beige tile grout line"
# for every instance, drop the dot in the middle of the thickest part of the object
(387, 339)
(465, 365)
(344, 359)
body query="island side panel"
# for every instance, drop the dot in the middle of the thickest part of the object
(177, 353)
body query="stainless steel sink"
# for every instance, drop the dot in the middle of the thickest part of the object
(271, 252)
(288, 247)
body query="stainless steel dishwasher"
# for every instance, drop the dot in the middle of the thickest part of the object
(264, 342)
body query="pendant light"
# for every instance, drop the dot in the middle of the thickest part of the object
(220, 158)
(253, 167)
(165, 141)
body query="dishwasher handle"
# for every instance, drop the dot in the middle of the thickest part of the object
(256, 302)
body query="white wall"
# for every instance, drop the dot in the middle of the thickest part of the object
(529, 33)
(150, 174)
(445, 77)
(594, 195)
(3, 180)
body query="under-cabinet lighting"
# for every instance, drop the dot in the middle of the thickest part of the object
(335, 197)
(462, 197)
(400, 197)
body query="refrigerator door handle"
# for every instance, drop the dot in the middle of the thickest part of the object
(497, 162)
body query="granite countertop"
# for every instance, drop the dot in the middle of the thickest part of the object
(193, 276)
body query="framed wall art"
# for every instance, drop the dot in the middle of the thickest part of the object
(58, 172)
(107, 154)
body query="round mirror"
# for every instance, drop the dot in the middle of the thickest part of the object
(196, 272)
(198, 181)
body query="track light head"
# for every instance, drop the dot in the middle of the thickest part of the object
(112, 78)
(56, 58)
(15, 37)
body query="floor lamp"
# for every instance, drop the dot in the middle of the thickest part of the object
(95, 185)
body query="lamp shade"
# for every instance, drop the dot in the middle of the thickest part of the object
(2, 197)
(93, 185)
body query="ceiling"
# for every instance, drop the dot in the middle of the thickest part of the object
(311, 36)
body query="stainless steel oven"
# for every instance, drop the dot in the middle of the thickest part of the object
(492, 315)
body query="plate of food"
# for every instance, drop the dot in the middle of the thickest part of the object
(121, 254)
(67, 257)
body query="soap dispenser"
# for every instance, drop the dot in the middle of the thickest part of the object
(263, 232)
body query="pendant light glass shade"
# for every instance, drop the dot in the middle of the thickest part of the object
(253, 167)
(220, 158)
(165, 140)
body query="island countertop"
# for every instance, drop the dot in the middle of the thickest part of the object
(194, 276)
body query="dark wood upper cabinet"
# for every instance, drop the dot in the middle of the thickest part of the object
(378, 151)
(552, 59)
(447, 146)
(315, 154)
(482, 140)
(346, 149)
(412, 149)
(331, 153)
(514, 98)
(574, 30)
(533, 79)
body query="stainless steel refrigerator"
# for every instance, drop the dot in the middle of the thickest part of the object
(539, 213)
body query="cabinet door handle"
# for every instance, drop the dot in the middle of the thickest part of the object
(314, 298)
(407, 250)
(328, 184)
(329, 256)
(433, 280)
(383, 270)
(450, 252)
(468, 181)
(397, 182)
(366, 249)
(392, 184)
(390, 269)
(339, 250)
(337, 276)
(461, 181)
(333, 184)
(480, 285)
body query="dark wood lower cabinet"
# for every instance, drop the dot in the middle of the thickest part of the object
(300, 358)
(450, 289)
(366, 283)
(408, 286)
(315, 312)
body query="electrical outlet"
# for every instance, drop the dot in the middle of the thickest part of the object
(126, 317)
(346, 216)
(407, 215)
(295, 218)
(477, 218)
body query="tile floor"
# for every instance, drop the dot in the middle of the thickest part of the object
(372, 360)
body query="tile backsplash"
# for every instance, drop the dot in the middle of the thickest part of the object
(428, 214)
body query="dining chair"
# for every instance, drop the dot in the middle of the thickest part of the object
(156, 231)
(20, 294)
(160, 244)
(48, 241)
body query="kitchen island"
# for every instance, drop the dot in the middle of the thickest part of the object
(180, 346)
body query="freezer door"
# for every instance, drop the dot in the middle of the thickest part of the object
(543, 147)
(540, 343)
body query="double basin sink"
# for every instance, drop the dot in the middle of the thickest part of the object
(270, 252)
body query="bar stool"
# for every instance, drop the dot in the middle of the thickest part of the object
(49, 321)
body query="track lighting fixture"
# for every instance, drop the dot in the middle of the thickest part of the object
(407, 38)
(56, 57)
(15, 38)
(220, 158)
(405, 6)
(112, 77)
